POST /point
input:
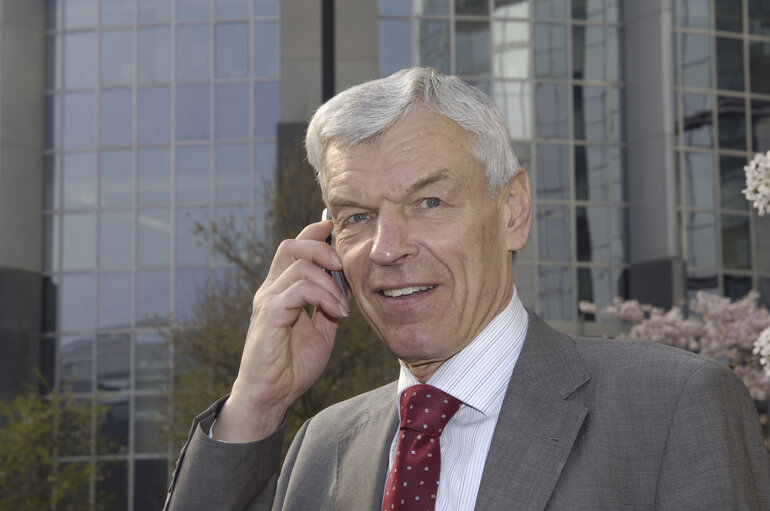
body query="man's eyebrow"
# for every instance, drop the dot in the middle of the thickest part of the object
(433, 177)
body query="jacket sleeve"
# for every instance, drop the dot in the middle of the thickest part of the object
(210, 474)
(714, 456)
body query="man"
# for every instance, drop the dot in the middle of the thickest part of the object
(429, 208)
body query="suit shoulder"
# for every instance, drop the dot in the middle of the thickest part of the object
(361, 408)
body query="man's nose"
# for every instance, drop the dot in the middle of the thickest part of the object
(391, 240)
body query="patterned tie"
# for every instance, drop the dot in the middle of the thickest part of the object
(413, 481)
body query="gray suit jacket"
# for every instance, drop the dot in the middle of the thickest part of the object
(585, 424)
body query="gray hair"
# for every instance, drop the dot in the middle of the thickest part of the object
(363, 113)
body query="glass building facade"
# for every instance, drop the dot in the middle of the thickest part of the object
(162, 113)
(555, 70)
(722, 98)
(159, 114)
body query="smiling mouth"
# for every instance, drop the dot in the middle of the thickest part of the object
(405, 291)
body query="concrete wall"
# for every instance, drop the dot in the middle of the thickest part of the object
(21, 189)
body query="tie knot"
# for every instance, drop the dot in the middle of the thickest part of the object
(426, 409)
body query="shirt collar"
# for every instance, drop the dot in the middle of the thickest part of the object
(478, 375)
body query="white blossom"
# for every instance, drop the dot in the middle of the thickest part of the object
(758, 182)
(762, 348)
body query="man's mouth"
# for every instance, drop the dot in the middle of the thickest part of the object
(405, 291)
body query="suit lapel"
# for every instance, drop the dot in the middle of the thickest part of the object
(537, 426)
(362, 455)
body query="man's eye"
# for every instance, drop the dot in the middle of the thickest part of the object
(431, 202)
(358, 217)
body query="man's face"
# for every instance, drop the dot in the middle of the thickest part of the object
(425, 249)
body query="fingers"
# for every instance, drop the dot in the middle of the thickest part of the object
(305, 283)
(309, 245)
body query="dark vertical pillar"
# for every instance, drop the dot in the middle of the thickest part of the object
(327, 43)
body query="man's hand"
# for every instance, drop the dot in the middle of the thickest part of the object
(286, 350)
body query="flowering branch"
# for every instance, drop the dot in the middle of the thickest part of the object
(758, 182)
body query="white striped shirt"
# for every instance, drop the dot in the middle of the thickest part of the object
(478, 376)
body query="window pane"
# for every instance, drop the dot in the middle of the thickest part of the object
(267, 49)
(762, 243)
(152, 11)
(511, 49)
(192, 112)
(589, 105)
(727, 17)
(759, 64)
(192, 9)
(266, 166)
(552, 176)
(116, 230)
(154, 175)
(154, 115)
(153, 237)
(75, 359)
(732, 123)
(114, 312)
(76, 302)
(152, 297)
(760, 126)
(555, 293)
(189, 246)
(699, 180)
(472, 48)
(78, 241)
(593, 234)
(80, 13)
(617, 115)
(615, 54)
(759, 17)
(79, 180)
(394, 44)
(732, 182)
(550, 50)
(151, 415)
(115, 428)
(116, 182)
(117, 61)
(701, 239)
(736, 247)
(551, 111)
(267, 107)
(698, 123)
(554, 225)
(79, 58)
(393, 7)
(514, 100)
(729, 63)
(192, 61)
(435, 7)
(231, 107)
(551, 9)
(232, 172)
(591, 180)
(116, 117)
(696, 60)
(592, 10)
(588, 52)
(79, 120)
(150, 483)
(232, 50)
(736, 286)
(477, 7)
(192, 174)
(512, 8)
(52, 182)
(231, 9)
(695, 13)
(267, 7)
(154, 55)
(595, 285)
(117, 12)
(433, 44)
(115, 482)
(151, 360)
(190, 288)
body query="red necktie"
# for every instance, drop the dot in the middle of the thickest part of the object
(413, 481)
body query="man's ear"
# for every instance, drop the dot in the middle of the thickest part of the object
(518, 210)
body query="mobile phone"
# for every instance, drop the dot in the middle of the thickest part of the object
(338, 276)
